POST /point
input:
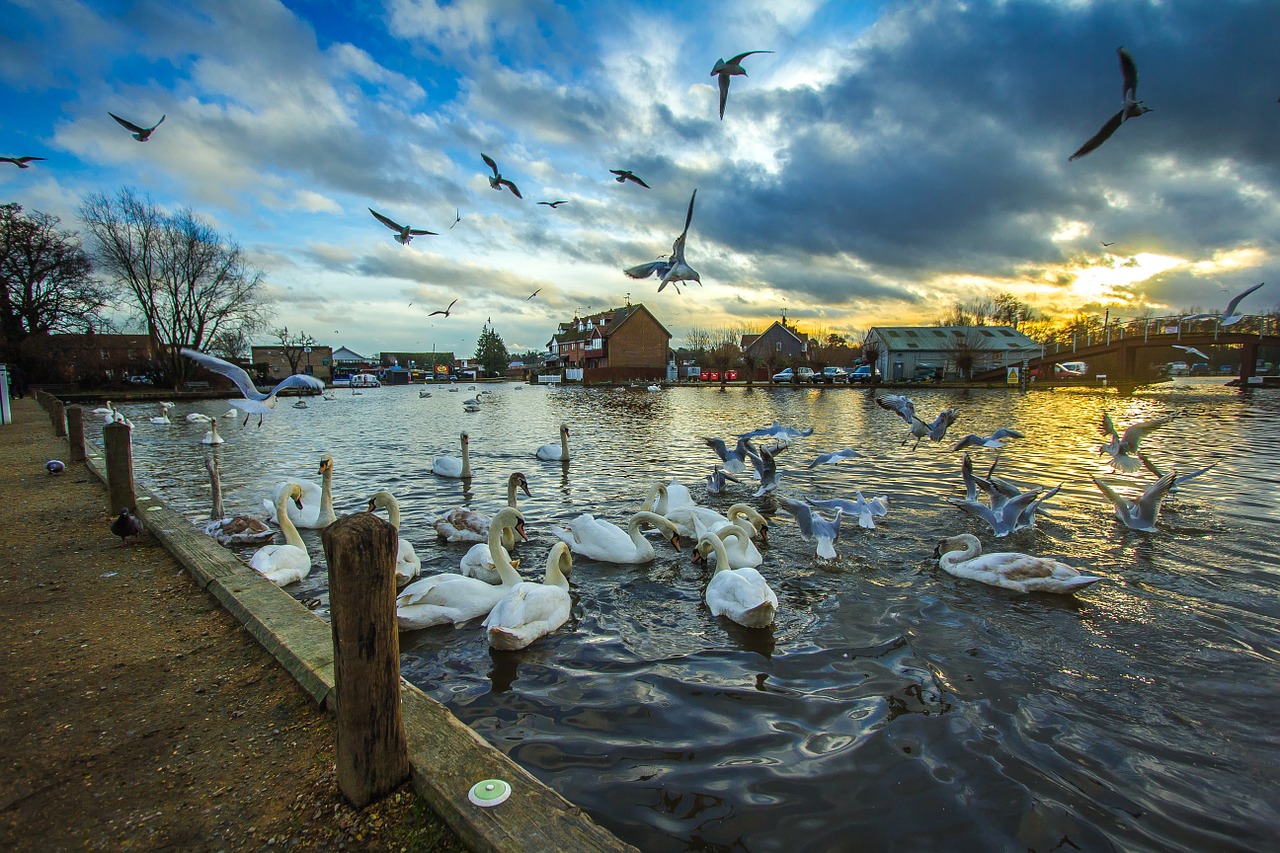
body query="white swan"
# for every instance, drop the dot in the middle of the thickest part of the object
(556, 452)
(284, 564)
(607, 542)
(961, 556)
(163, 417)
(478, 562)
(319, 499)
(233, 412)
(408, 566)
(468, 525)
(104, 409)
(742, 518)
(198, 418)
(453, 598)
(533, 610)
(675, 502)
(452, 466)
(212, 437)
(743, 595)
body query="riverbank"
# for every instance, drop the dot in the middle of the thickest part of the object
(136, 712)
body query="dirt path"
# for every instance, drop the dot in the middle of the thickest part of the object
(135, 713)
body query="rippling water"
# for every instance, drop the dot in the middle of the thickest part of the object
(891, 703)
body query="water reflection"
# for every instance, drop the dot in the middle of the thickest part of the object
(889, 699)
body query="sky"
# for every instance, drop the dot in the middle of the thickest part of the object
(884, 162)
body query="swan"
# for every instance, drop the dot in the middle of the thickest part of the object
(104, 409)
(212, 437)
(452, 466)
(471, 405)
(198, 418)
(742, 552)
(467, 525)
(743, 595)
(742, 518)
(556, 453)
(453, 598)
(408, 566)
(422, 395)
(284, 564)
(320, 497)
(675, 502)
(533, 610)
(478, 562)
(163, 417)
(607, 542)
(232, 412)
(960, 556)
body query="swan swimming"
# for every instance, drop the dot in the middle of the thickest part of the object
(319, 498)
(408, 565)
(290, 562)
(533, 610)
(556, 452)
(960, 556)
(604, 541)
(742, 595)
(452, 466)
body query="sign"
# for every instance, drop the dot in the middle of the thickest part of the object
(442, 369)
(1171, 330)
(1013, 376)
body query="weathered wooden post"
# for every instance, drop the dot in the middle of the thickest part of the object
(75, 433)
(118, 453)
(372, 753)
(58, 414)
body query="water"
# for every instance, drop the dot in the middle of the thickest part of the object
(891, 703)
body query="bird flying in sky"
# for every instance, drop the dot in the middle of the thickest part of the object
(725, 70)
(142, 134)
(1130, 106)
(446, 311)
(497, 182)
(20, 162)
(403, 232)
(625, 175)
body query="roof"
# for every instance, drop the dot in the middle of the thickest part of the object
(940, 338)
(344, 354)
(602, 323)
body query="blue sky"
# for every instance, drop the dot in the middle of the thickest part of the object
(885, 161)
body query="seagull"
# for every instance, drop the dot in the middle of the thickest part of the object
(1130, 107)
(1006, 517)
(1177, 480)
(404, 232)
(446, 311)
(1190, 351)
(625, 175)
(766, 470)
(725, 70)
(814, 528)
(55, 466)
(906, 409)
(735, 461)
(254, 400)
(126, 524)
(778, 432)
(716, 480)
(866, 510)
(531, 295)
(834, 456)
(1139, 514)
(673, 268)
(555, 203)
(1228, 317)
(457, 216)
(20, 162)
(1123, 447)
(993, 440)
(1105, 243)
(142, 134)
(497, 182)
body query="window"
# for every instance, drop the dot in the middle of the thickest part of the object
(987, 332)
(778, 346)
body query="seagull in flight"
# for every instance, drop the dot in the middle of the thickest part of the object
(1190, 351)
(497, 182)
(142, 134)
(20, 162)
(1123, 447)
(671, 269)
(1130, 106)
(531, 295)
(625, 175)
(993, 440)
(814, 528)
(1139, 514)
(1228, 317)
(906, 410)
(834, 456)
(403, 232)
(254, 400)
(725, 70)
(457, 216)
(554, 203)
(446, 311)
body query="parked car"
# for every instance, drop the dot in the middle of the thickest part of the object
(829, 376)
(784, 375)
(1178, 368)
(1200, 368)
(861, 373)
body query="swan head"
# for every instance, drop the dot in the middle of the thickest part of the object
(294, 494)
(326, 465)
(703, 550)
(466, 439)
(564, 430)
(509, 518)
(380, 499)
(962, 542)
(517, 480)
(561, 558)
(758, 521)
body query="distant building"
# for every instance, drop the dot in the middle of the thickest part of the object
(90, 358)
(776, 346)
(615, 345)
(916, 352)
(314, 361)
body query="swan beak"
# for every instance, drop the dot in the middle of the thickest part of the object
(520, 530)
(937, 551)
(524, 487)
(764, 533)
(515, 564)
(298, 502)
(698, 559)
(370, 509)
(675, 541)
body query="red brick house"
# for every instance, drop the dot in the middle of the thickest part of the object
(617, 345)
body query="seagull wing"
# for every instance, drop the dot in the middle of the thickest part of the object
(1130, 72)
(514, 189)
(1147, 507)
(646, 270)
(803, 515)
(1134, 434)
(1100, 137)
(639, 181)
(1231, 306)
(128, 125)
(1120, 501)
(900, 404)
(1005, 432)
(385, 221)
(972, 440)
(737, 59)
(157, 124)
(233, 372)
(724, 90)
(297, 380)
(420, 232)
(688, 218)
(489, 162)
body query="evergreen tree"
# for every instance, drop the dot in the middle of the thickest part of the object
(491, 352)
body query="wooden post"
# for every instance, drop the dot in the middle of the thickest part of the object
(118, 453)
(75, 433)
(58, 414)
(372, 753)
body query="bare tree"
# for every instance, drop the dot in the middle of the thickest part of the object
(724, 351)
(185, 280)
(230, 344)
(966, 351)
(294, 346)
(699, 341)
(46, 280)
(871, 352)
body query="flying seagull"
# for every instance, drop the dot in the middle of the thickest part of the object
(993, 440)
(254, 400)
(1228, 317)
(906, 410)
(834, 456)
(142, 134)
(554, 203)
(1130, 107)
(20, 162)
(446, 311)
(673, 268)
(457, 216)
(725, 70)
(403, 232)
(814, 528)
(531, 295)
(625, 175)
(497, 182)
(1140, 514)
(1123, 447)
(1190, 351)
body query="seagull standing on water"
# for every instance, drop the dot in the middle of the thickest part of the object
(814, 528)
(497, 182)
(1228, 317)
(1130, 107)
(1139, 514)
(403, 232)
(142, 134)
(20, 162)
(725, 70)
(254, 400)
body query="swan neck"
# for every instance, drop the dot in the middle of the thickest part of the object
(722, 554)
(326, 494)
(287, 527)
(501, 559)
(392, 505)
(466, 459)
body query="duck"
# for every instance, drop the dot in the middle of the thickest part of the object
(290, 562)
(530, 610)
(467, 525)
(454, 599)
(478, 562)
(163, 417)
(606, 542)
(212, 437)
(556, 452)
(408, 565)
(320, 498)
(742, 595)
(452, 466)
(961, 556)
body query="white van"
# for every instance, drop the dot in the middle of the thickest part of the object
(1080, 367)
